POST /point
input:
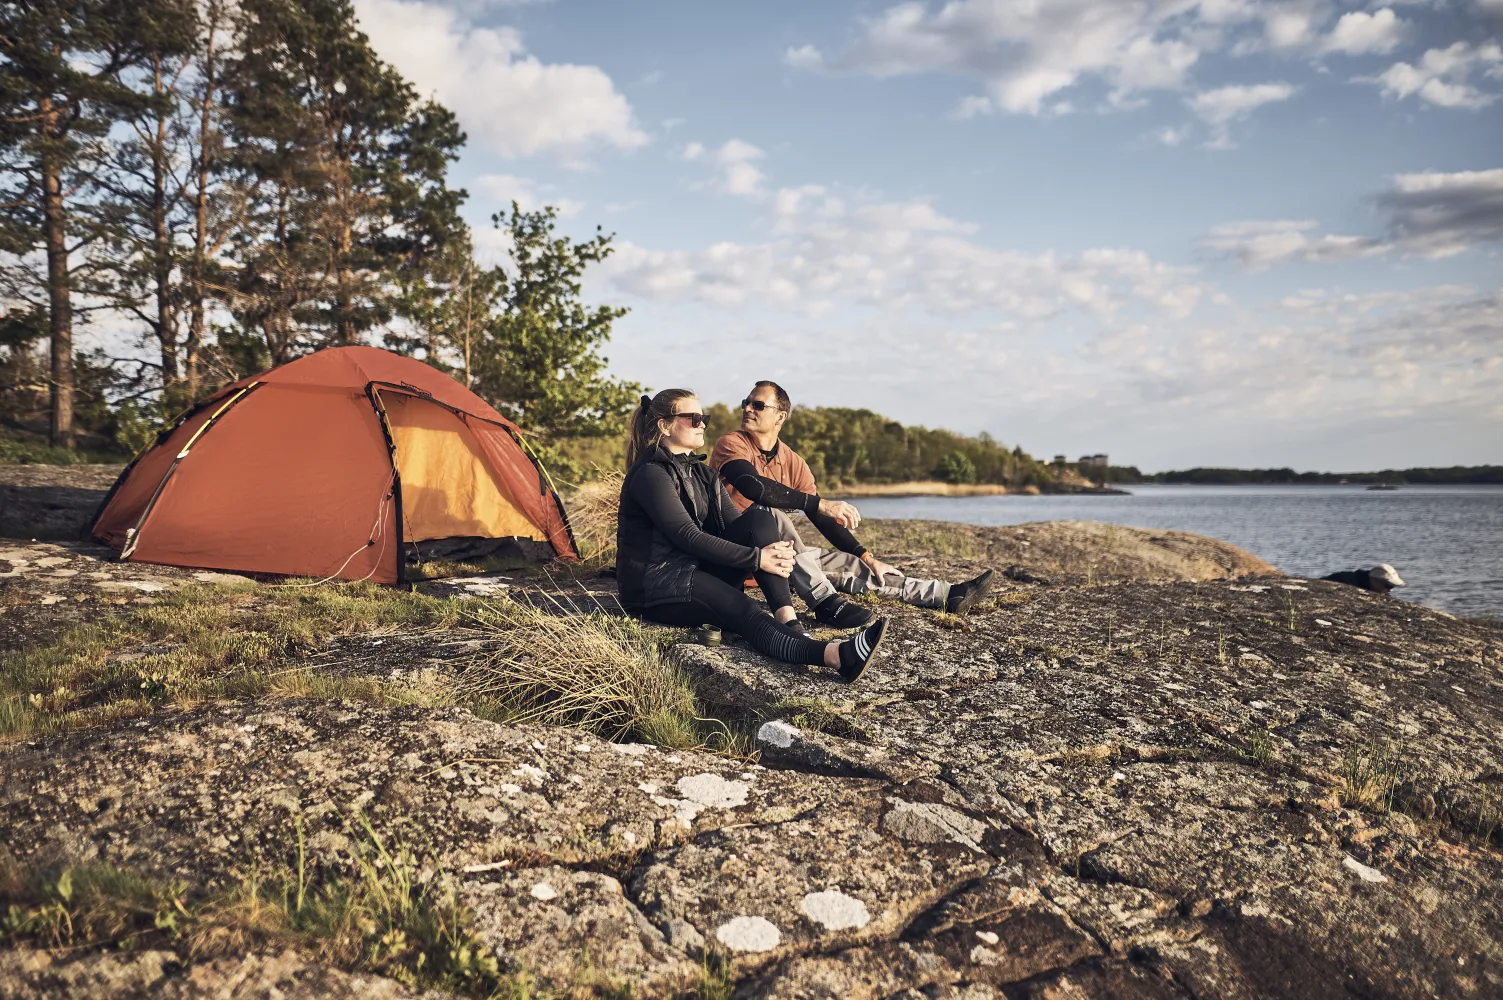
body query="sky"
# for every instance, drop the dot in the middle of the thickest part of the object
(1182, 232)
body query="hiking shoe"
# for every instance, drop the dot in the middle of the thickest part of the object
(860, 650)
(837, 612)
(963, 596)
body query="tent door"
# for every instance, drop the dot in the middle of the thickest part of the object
(447, 490)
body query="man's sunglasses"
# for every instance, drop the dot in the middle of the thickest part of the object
(758, 404)
(695, 419)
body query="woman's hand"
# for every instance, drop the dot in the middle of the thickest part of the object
(776, 558)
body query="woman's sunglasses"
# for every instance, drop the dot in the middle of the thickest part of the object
(695, 419)
(758, 405)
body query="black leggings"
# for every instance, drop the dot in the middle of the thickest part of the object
(718, 598)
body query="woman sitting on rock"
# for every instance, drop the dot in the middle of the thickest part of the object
(683, 550)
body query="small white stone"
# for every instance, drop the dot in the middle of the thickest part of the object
(990, 937)
(53, 599)
(835, 911)
(536, 745)
(510, 789)
(1290, 586)
(983, 955)
(544, 891)
(1365, 873)
(582, 748)
(749, 934)
(631, 749)
(1322, 621)
(1116, 776)
(713, 791)
(777, 733)
(650, 787)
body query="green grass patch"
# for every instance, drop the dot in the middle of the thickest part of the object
(382, 920)
(199, 643)
(22, 451)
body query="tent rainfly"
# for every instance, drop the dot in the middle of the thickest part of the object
(326, 467)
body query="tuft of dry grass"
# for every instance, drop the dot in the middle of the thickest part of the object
(592, 514)
(1371, 773)
(603, 673)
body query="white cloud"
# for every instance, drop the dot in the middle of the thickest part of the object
(1443, 76)
(738, 175)
(1439, 214)
(502, 189)
(1429, 215)
(831, 252)
(1259, 245)
(1172, 135)
(1025, 52)
(507, 100)
(1226, 104)
(804, 57)
(1359, 32)
(1316, 358)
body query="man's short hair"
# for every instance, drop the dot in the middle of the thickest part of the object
(784, 403)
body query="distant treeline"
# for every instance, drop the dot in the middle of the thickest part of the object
(845, 446)
(1456, 474)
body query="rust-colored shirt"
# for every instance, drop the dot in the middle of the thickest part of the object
(785, 466)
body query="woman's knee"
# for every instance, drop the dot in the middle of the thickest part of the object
(762, 525)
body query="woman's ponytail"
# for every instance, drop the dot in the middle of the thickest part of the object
(644, 422)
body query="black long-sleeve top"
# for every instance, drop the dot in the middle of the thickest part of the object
(770, 493)
(655, 489)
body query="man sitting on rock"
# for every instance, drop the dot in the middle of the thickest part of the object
(758, 468)
(1380, 579)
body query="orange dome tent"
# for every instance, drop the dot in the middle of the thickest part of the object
(325, 467)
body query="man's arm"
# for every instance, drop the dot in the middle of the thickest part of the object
(837, 534)
(742, 475)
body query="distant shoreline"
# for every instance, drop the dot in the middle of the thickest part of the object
(934, 488)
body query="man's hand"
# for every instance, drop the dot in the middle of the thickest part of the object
(845, 515)
(776, 558)
(877, 566)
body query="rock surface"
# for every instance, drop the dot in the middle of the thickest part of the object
(1234, 788)
(161, 975)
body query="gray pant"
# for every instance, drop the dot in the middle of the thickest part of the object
(819, 573)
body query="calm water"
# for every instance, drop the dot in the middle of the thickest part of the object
(1445, 541)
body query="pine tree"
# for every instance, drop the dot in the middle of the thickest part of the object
(60, 92)
(348, 173)
(147, 187)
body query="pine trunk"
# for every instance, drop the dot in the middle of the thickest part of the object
(162, 254)
(59, 292)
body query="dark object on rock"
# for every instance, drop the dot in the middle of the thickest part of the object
(1380, 579)
(837, 612)
(707, 635)
(1020, 575)
(963, 596)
